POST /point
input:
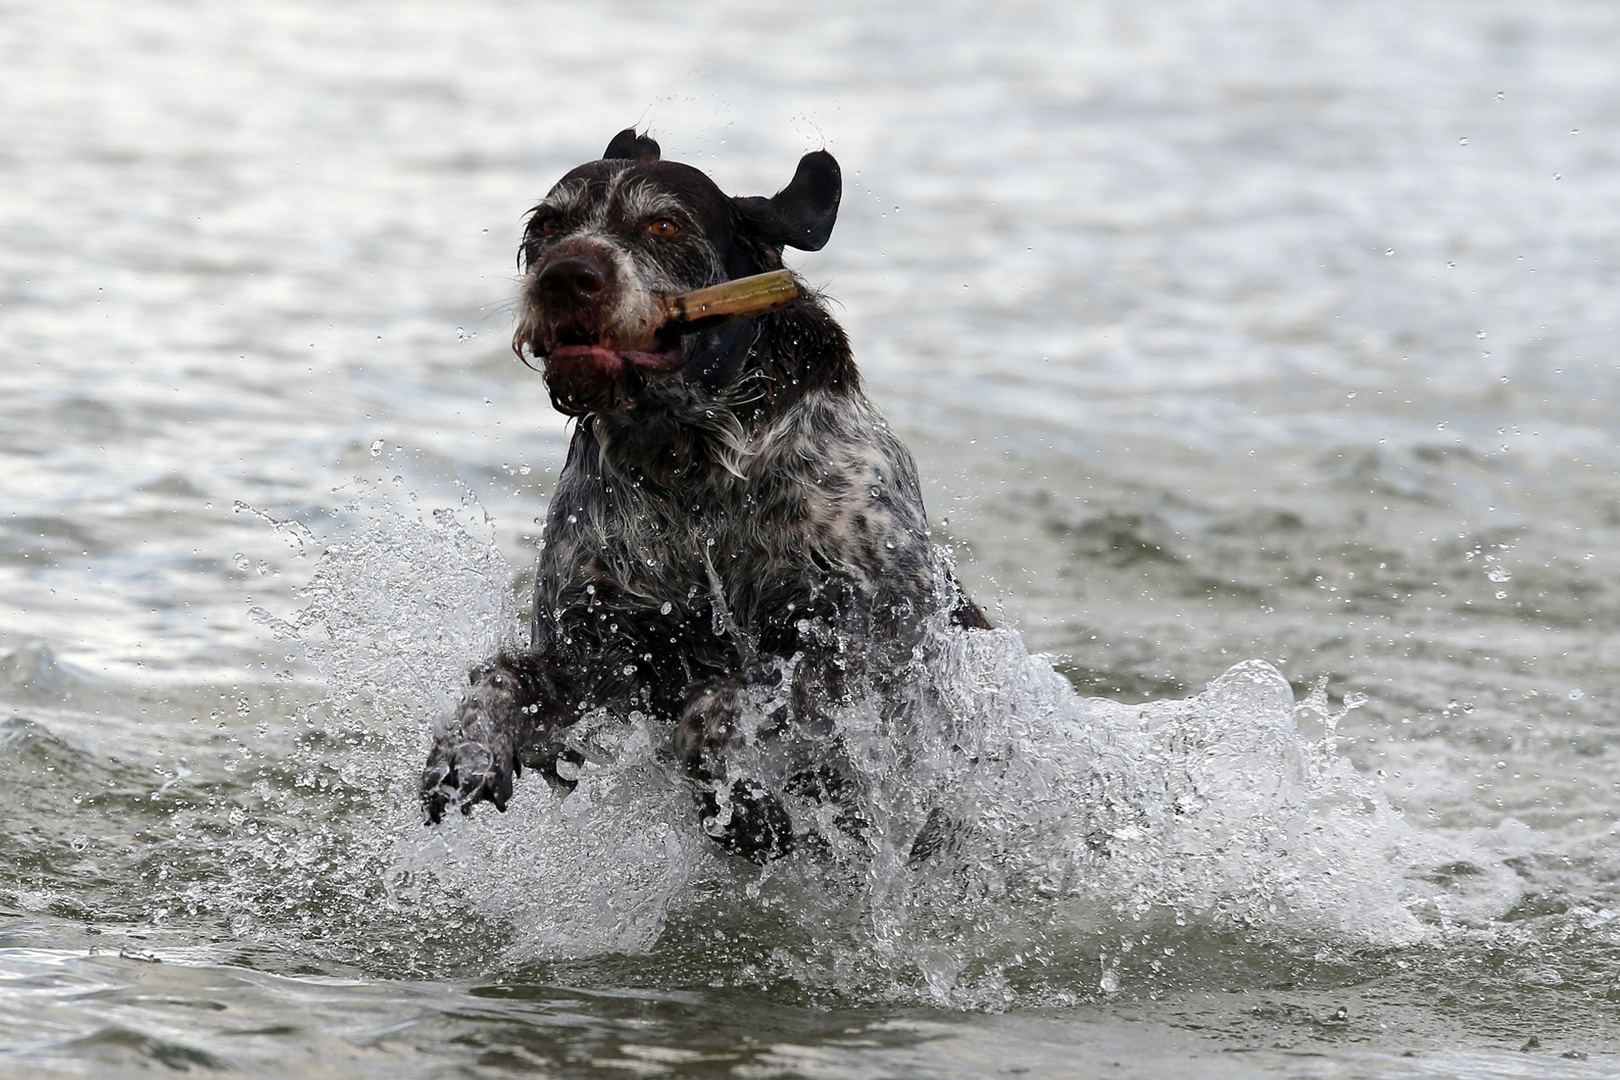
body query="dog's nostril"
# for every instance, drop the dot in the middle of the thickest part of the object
(571, 277)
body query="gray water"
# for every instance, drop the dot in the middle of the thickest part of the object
(1276, 337)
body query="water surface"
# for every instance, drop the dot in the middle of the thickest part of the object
(1222, 332)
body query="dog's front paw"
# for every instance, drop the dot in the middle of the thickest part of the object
(465, 766)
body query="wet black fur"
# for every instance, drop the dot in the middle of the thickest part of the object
(747, 530)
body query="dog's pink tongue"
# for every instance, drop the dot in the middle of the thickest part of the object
(669, 359)
(608, 361)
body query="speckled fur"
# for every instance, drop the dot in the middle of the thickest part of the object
(747, 531)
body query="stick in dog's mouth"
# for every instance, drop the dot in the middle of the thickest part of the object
(737, 299)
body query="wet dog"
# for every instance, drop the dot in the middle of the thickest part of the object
(737, 542)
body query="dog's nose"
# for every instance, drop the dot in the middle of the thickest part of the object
(571, 278)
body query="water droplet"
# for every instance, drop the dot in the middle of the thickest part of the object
(376, 448)
(666, 608)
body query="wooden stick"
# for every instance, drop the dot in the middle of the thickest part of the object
(733, 299)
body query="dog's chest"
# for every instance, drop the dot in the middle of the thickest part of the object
(826, 498)
(653, 549)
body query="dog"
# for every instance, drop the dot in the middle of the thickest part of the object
(737, 542)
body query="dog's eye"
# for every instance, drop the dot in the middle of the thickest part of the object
(663, 227)
(549, 226)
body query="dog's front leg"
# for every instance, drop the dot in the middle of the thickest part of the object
(744, 734)
(739, 812)
(510, 712)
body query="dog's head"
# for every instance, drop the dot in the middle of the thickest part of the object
(616, 235)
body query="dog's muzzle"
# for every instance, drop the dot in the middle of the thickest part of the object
(586, 370)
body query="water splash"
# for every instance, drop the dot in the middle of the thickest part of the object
(593, 874)
(1080, 823)
(1014, 835)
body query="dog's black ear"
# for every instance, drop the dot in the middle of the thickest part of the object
(801, 214)
(627, 144)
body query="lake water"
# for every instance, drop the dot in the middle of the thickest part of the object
(1242, 346)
